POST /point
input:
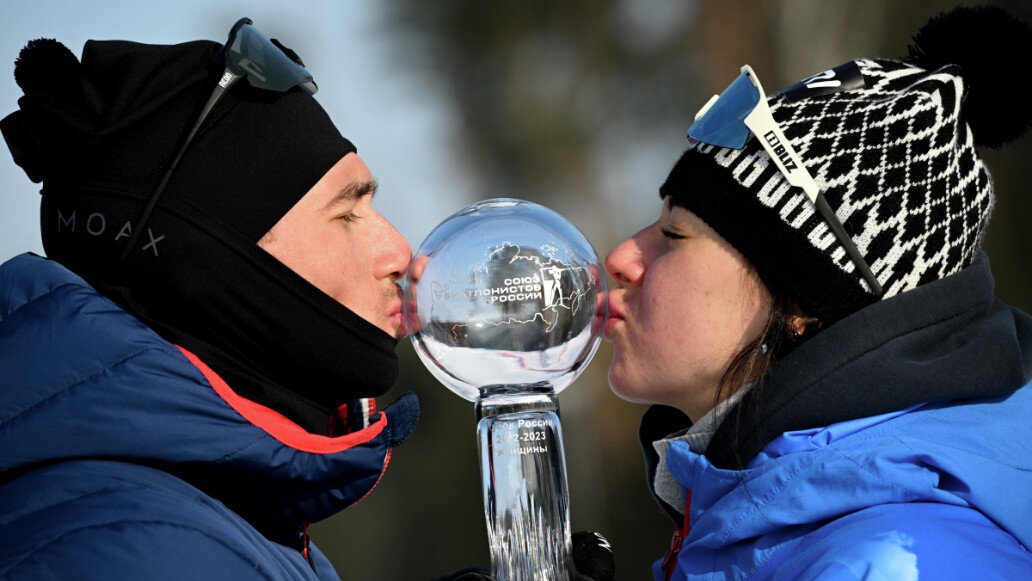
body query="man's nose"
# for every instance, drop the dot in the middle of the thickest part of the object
(396, 254)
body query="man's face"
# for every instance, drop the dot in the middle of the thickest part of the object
(336, 240)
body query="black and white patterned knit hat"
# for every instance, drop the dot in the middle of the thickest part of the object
(892, 147)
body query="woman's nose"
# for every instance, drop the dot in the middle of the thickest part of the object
(625, 263)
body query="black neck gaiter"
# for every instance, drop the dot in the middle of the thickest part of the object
(273, 337)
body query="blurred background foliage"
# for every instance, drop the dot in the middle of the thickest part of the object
(582, 106)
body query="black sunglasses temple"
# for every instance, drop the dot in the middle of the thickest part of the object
(847, 242)
(227, 81)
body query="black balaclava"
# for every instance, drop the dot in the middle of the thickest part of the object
(99, 135)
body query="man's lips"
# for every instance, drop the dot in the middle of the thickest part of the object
(395, 310)
(396, 318)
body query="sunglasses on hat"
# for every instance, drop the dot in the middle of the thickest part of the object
(728, 119)
(247, 54)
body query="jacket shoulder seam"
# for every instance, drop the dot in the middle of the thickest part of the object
(79, 381)
(146, 522)
(40, 296)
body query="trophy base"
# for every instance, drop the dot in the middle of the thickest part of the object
(500, 399)
(526, 499)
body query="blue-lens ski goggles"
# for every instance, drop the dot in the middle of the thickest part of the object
(728, 119)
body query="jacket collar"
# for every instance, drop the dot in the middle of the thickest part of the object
(945, 340)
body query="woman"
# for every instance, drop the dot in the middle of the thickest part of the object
(841, 395)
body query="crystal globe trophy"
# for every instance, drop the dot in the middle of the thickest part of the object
(505, 305)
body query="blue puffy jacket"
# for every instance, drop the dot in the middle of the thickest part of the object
(123, 456)
(935, 490)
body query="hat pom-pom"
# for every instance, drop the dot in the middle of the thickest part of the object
(46, 65)
(991, 47)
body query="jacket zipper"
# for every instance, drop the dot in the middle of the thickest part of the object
(305, 552)
(670, 561)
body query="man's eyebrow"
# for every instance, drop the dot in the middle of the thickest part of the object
(353, 191)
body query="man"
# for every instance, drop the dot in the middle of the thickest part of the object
(187, 377)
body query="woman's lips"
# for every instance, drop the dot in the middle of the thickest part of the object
(611, 324)
(615, 314)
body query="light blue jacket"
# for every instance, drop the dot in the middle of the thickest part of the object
(937, 490)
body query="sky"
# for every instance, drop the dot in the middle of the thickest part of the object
(400, 123)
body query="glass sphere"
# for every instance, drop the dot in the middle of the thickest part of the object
(505, 296)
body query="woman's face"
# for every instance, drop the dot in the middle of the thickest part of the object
(687, 303)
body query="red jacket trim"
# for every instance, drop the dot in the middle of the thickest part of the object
(278, 426)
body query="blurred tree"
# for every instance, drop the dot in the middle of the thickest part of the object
(582, 106)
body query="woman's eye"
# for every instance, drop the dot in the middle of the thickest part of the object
(671, 234)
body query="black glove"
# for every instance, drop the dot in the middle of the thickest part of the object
(468, 574)
(592, 556)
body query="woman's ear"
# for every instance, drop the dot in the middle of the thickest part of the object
(796, 326)
(799, 325)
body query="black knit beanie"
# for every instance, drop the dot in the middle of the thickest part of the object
(100, 133)
(892, 147)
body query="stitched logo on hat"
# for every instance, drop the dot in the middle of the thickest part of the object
(96, 224)
(845, 77)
